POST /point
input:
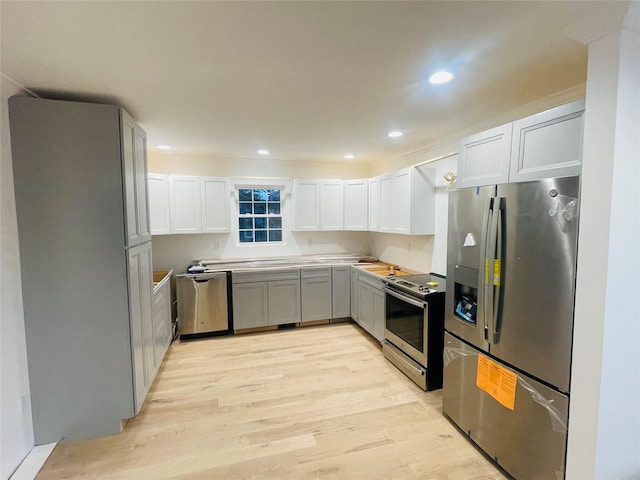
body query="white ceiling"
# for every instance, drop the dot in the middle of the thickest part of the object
(306, 80)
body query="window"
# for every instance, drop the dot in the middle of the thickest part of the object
(259, 215)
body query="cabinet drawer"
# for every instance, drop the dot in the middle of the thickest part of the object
(256, 275)
(315, 272)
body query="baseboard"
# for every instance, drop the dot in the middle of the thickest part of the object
(33, 462)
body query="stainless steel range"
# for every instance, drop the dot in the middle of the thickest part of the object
(414, 327)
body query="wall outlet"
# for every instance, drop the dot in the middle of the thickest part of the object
(309, 242)
(409, 247)
(216, 245)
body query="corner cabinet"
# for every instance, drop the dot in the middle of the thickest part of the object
(356, 204)
(316, 292)
(407, 201)
(81, 202)
(341, 291)
(187, 204)
(318, 205)
(544, 145)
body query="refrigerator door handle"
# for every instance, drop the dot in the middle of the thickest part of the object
(483, 280)
(498, 268)
(489, 263)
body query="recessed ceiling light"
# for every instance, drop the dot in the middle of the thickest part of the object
(164, 147)
(441, 77)
(262, 151)
(349, 156)
(395, 133)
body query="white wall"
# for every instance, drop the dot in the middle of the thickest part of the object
(604, 416)
(16, 427)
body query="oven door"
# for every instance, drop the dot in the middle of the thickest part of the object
(405, 324)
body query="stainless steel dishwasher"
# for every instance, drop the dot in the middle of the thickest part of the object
(203, 303)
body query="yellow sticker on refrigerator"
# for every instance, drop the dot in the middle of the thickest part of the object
(497, 381)
(496, 272)
(486, 270)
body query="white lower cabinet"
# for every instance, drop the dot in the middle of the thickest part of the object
(161, 321)
(141, 318)
(316, 291)
(250, 305)
(284, 301)
(354, 293)
(371, 306)
(341, 291)
(265, 297)
(377, 313)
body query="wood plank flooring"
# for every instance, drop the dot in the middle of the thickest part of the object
(306, 403)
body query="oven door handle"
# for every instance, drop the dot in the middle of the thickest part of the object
(405, 298)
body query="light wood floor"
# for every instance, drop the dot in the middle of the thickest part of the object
(305, 403)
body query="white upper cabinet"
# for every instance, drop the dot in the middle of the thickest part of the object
(356, 200)
(331, 205)
(483, 158)
(407, 201)
(215, 204)
(134, 161)
(548, 144)
(374, 204)
(182, 204)
(318, 204)
(544, 145)
(184, 197)
(306, 196)
(386, 201)
(159, 217)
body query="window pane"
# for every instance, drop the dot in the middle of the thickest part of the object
(245, 195)
(275, 235)
(275, 222)
(246, 236)
(259, 208)
(274, 208)
(259, 195)
(261, 236)
(273, 195)
(245, 208)
(245, 223)
(261, 223)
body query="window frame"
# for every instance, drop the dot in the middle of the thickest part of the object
(238, 216)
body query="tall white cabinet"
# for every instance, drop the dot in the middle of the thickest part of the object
(81, 199)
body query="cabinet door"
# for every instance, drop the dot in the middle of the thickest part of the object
(402, 203)
(284, 301)
(364, 306)
(331, 205)
(374, 204)
(159, 217)
(483, 158)
(307, 207)
(140, 168)
(162, 323)
(354, 294)
(216, 216)
(132, 227)
(184, 196)
(548, 144)
(316, 298)
(341, 291)
(387, 203)
(377, 313)
(355, 204)
(141, 320)
(250, 305)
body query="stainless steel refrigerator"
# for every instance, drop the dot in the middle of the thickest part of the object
(511, 263)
